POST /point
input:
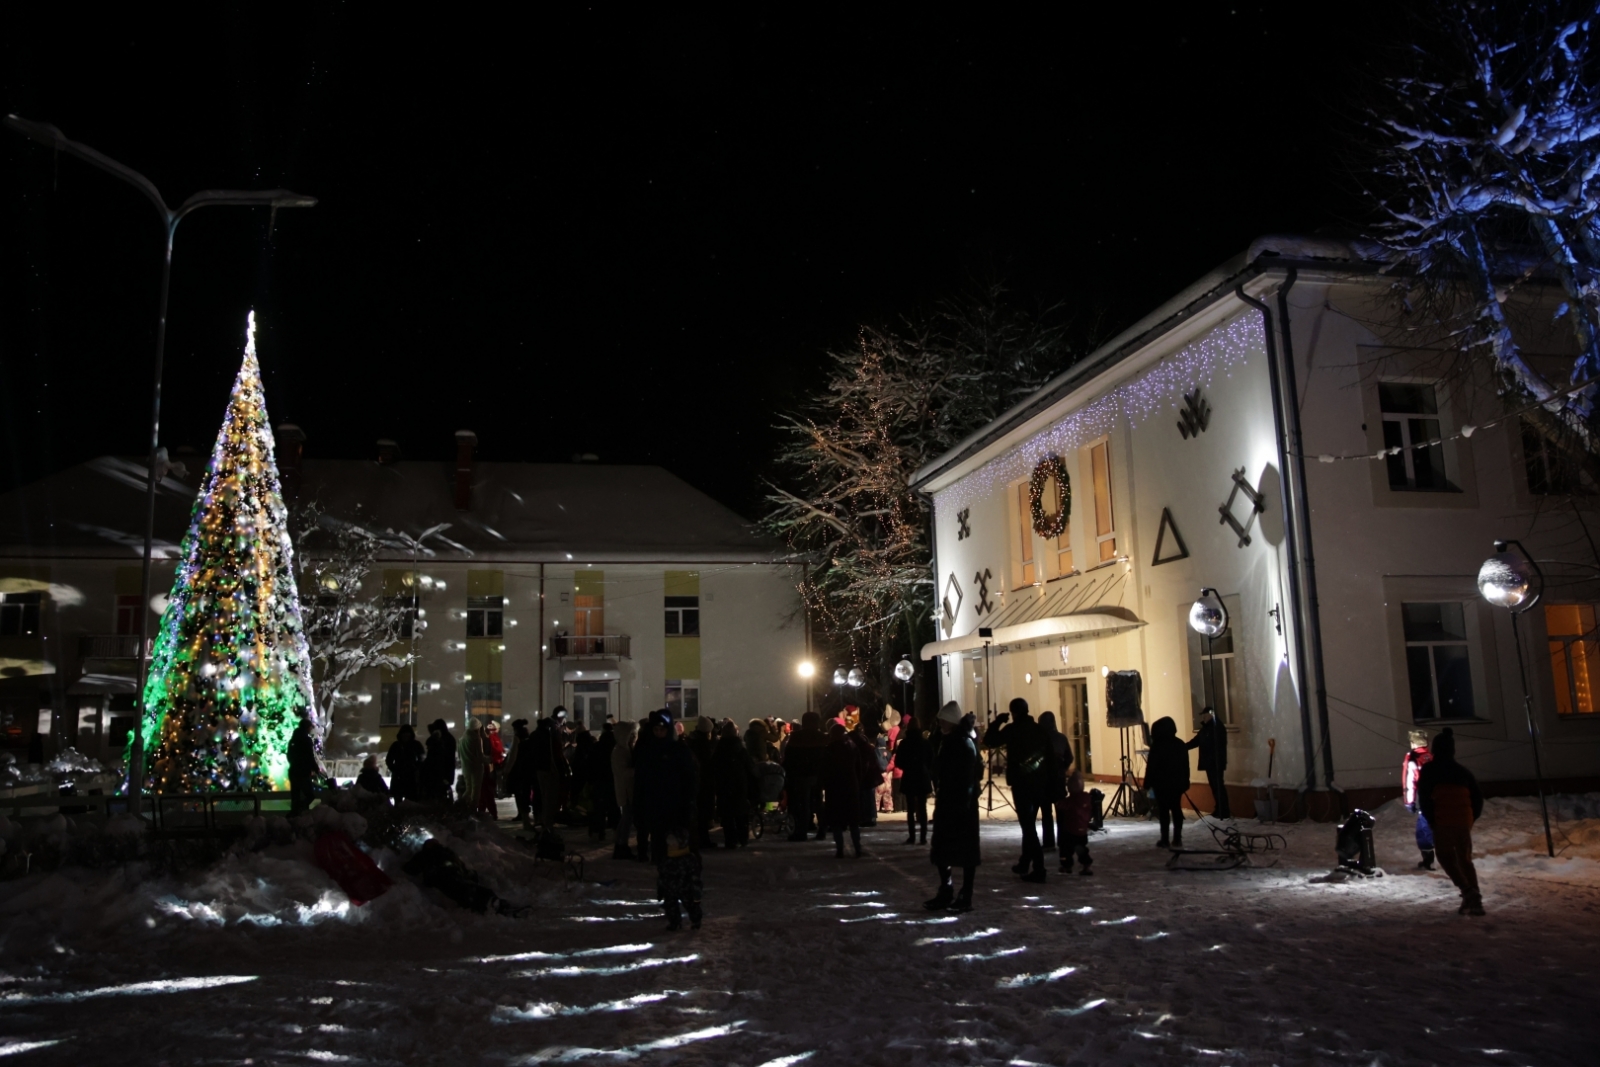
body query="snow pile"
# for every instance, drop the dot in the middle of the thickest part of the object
(13, 774)
(1509, 837)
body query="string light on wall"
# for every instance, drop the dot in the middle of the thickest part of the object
(1158, 391)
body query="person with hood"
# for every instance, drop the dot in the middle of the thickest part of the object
(622, 783)
(1054, 812)
(1030, 772)
(733, 772)
(549, 765)
(404, 761)
(666, 780)
(957, 773)
(602, 793)
(1449, 796)
(370, 780)
(1212, 741)
(1417, 756)
(304, 766)
(701, 742)
(474, 758)
(1166, 774)
(841, 785)
(439, 766)
(518, 770)
(913, 762)
(802, 768)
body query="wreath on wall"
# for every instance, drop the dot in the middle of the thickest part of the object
(1050, 525)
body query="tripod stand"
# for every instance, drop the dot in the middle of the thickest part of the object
(988, 788)
(1128, 799)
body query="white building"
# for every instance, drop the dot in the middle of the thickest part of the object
(1354, 621)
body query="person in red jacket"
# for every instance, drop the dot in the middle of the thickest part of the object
(1451, 800)
(1417, 756)
(495, 752)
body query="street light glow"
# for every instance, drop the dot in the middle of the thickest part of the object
(806, 668)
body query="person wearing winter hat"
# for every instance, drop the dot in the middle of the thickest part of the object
(957, 771)
(701, 744)
(1451, 801)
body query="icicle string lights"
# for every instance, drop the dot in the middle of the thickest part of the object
(1157, 391)
(230, 672)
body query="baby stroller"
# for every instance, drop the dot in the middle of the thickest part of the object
(771, 813)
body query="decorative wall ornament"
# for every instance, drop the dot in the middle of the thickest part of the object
(1257, 506)
(1194, 416)
(1167, 525)
(1050, 524)
(952, 588)
(1215, 355)
(982, 579)
(963, 526)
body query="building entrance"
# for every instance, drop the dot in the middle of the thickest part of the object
(1075, 721)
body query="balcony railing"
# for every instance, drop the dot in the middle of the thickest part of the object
(110, 646)
(568, 646)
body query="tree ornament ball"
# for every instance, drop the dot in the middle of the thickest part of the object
(1050, 525)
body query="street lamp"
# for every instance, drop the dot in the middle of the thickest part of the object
(1510, 579)
(57, 141)
(806, 669)
(1208, 617)
(904, 671)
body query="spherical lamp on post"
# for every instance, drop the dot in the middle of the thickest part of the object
(1510, 579)
(1208, 617)
(904, 672)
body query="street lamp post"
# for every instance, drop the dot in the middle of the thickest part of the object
(1510, 579)
(904, 671)
(55, 140)
(1208, 617)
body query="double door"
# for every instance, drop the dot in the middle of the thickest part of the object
(1074, 693)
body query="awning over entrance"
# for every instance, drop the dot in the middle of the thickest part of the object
(1040, 633)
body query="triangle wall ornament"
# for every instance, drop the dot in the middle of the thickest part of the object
(1167, 525)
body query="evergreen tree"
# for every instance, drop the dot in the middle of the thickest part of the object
(230, 675)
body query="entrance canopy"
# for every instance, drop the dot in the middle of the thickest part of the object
(1042, 633)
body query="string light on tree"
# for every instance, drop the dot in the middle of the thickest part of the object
(230, 672)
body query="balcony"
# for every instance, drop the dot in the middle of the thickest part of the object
(566, 646)
(110, 646)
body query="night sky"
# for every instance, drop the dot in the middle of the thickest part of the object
(633, 234)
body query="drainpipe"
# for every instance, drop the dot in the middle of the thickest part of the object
(539, 709)
(1303, 510)
(1296, 616)
(933, 563)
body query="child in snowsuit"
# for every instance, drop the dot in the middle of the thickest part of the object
(1410, 768)
(678, 881)
(1452, 801)
(1078, 812)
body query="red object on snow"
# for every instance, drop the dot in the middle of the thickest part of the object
(338, 854)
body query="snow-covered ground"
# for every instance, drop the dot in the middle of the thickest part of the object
(805, 958)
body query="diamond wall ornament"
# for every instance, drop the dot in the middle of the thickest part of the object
(952, 589)
(983, 578)
(1167, 525)
(1194, 416)
(1257, 506)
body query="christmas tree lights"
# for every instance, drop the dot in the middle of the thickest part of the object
(230, 674)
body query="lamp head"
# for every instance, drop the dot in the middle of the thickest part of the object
(806, 669)
(904, 670)
(855, 677)
(1509, 579)
(838, 676)
(1207, 616)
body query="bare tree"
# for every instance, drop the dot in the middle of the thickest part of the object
(893, 401)
(1488, 154)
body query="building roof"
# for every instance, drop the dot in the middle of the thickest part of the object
(528, 512)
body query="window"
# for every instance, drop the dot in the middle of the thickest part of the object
(121, 715)
(591, 704)
(683, 697)
(1437, 663)
(483, 699)
(1574, 656)
(1104, 526)
(1410, 421)
(1217, 674)
(485, 615)
(406, 602)
(397, 704)
(128, 614)
(1062, 546)
(19, 614)
(683, 616)
(1550, 471)
(1026, 574)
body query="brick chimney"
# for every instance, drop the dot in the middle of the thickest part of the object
(388, 452)
(291, 450)
(466, 445)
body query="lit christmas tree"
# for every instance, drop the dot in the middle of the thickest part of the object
(230, 674)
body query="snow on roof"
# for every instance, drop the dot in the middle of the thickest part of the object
(522, 511)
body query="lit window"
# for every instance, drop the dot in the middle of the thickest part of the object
(1574, 656)
(683, 696)
(19, 614)
(1410, 422)
(484, 615)
(1025, 527)
(1105, 531)
(483, 699)
(1437, 662)
(683, 616)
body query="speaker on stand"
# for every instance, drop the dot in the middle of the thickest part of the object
(1124, 691)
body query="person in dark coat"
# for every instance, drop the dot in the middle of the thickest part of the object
(404, 761)
(869, 768)
(841, 784)
(1054, 809)
(1030, 772)
(802, 769)
(732, 772)
(1451, 800)
(957, 774)
(1166, 773)
(520, 770)
(913, 758)
(602, 788)
(550, 765)
(439, 766)
(666, 780)
(1212, 741)
(369, 778)
(303, 767)
(701, 741)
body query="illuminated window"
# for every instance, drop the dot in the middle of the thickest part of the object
(683, 697)
(483, 699)
(1437, 663)
(1574, 656)
(1105, 528)
(1027, 575)
(1410, 420)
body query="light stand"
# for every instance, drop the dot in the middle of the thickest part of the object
(987, 635)
(1512, 580)
(1208, 617)
(904, 672)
